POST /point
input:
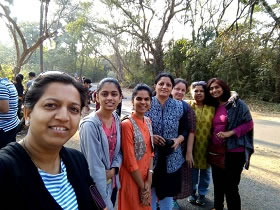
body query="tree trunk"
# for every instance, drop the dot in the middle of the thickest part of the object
(41, 34)
(158, 63)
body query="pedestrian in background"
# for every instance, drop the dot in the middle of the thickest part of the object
(232, 131)
(31, 77)
(20, 91)
(137, 147)
(100, 137)
(9, 120)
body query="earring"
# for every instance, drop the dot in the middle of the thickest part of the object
(27, 123)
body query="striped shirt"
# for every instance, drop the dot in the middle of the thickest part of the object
(9, 120)
(60, 188)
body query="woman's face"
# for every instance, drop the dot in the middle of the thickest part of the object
(216, 91)
(55, 117)
(179, 91)
(109, 96)
(141, 102)
(198, 94)
(163, 87)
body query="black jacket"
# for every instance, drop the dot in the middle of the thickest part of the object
(21, 186)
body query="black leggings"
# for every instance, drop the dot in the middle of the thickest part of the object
(226, 181)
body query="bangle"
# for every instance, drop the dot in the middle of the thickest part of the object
(151, 171)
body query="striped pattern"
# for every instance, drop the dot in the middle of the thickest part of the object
(60, 188)
(9, 120)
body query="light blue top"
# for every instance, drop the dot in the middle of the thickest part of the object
(60, 188)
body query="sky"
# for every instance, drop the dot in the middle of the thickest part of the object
(25, 10)
(28, 10)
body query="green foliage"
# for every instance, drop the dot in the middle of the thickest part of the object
(7, 71)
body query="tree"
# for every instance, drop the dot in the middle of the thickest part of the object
(140, 20)
(23, 50)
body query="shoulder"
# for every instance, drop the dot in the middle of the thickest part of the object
(11, 156)
(73, 155)
(91, 120)
(126, 124)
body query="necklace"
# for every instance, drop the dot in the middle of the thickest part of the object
(29, 154)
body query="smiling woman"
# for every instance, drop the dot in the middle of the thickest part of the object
(101, 140)
(40, 158)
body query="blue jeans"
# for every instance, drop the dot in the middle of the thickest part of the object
(201, 180)
(164, 204)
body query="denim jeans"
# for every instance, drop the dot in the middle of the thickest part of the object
(164, 204)
(201, 180)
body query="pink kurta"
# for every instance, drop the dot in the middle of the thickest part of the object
(129, 198)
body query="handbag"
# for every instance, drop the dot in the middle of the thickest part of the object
(97, 198)
(216, 155)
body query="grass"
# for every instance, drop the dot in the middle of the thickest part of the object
(263, 107)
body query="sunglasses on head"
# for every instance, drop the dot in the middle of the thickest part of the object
(198, 83)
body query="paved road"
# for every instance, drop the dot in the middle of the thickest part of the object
(260, 185)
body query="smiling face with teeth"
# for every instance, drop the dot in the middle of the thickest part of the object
(109, 97)
(55, 117)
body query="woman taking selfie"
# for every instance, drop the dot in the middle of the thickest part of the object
(101, 140)
(137, 147)
(233, 131)
(38, 172)
(165, 114)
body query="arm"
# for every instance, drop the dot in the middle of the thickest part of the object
(4, 99)
(189, 156)
(241, 130)
(4, 106)
(92, 149)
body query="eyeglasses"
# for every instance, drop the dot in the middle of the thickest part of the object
(198, 83)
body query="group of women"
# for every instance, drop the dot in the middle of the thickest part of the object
(146, 158)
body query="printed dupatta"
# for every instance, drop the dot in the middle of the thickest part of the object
(139, 143)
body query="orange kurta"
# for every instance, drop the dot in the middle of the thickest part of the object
(129, 198)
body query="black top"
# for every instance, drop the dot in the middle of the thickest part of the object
(19, 88)
(21, 186)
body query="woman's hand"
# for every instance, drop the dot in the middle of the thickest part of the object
(145, 194)
(226, 134)
(158, 140)
(177, 142)
(189, 159)
(110, 173)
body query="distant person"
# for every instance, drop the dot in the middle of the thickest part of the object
(9, 120)
(232, 135)
(39, 172)
(31, 76)
(97, 104)
(20, 91)
(86, 84)
(100, 136)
